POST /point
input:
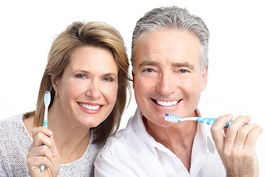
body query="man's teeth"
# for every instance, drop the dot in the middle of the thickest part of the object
(167, 103)
(90, 107)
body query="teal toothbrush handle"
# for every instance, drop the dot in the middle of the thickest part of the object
(210, 121)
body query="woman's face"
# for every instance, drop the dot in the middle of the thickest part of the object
(88, 88)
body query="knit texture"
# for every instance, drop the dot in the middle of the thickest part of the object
(15, 141)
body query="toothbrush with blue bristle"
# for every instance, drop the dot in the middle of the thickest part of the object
(206, 120)
(47, 100)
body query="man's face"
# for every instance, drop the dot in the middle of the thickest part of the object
(167, 77)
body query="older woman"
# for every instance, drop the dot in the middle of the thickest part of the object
(87, 76)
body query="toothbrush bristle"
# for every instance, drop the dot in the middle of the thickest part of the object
(171, 117)
(47, 98)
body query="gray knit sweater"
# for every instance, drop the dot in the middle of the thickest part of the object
(15, 142)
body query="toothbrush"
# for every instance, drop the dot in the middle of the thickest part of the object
(47, 100)
(208, 120)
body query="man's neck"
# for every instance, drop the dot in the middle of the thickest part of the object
(179, 139)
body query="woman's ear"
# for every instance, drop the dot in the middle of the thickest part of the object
(54, 81)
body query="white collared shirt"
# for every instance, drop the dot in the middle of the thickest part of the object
(133, 152)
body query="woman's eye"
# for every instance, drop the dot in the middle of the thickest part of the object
(109, 79)
(80, 76)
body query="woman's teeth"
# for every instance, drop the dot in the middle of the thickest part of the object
(90, 107)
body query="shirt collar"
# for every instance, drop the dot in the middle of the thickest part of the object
(140, 130)
(203, 131)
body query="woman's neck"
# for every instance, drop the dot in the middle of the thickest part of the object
(71, 140)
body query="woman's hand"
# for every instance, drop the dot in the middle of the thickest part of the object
(236, 145)
(43, 151)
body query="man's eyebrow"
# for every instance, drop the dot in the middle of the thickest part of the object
(185, 64)
(147, 62)
(178, 64)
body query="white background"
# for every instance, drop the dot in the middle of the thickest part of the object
(237, 52)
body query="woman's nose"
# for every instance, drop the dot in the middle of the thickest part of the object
(93, 90)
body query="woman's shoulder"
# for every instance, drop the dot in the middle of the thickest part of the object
(12, 126)
(13, 120)
(12, 131)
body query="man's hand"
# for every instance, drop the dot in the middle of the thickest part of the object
(236, 145)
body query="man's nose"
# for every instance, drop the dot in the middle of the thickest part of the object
(166, 84)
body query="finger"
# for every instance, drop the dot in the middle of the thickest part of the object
(37, 161)
(49, 149)
(47, 145)
(232, 131)
(242, 136)
(44, 130)
(41, 139)
(251, 141)
(35, 164)
(55, 162)
(39, 156)
(217, 130)
(240, 121)
(42, 151)
(46, 155)
(54, 148)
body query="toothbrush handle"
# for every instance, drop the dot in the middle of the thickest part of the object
(45, 120)
(210, 121)
(45, 124)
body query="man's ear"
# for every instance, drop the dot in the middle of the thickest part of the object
(133, 78)
(205, 77)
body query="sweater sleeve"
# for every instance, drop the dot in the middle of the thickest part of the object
(3, 172)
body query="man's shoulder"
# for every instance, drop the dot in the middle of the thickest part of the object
(118, 140)
(123, 140)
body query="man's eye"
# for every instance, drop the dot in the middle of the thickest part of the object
(183, 71)
(149, 70)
